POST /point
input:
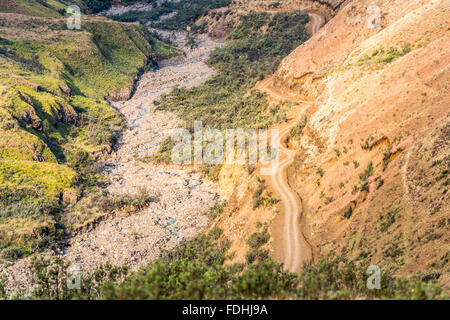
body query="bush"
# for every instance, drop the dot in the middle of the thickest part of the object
(297, 131)
(52, 275)
(348, 213)
(187, 13)
(367, 173)
(100, 134)
(194, 270)
(250, 55)
(258, 200)
(137, 202)
(258, 239)
(96, 6)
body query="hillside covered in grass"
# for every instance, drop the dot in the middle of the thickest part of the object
(54, 115)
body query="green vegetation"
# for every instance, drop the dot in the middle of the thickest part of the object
(251, 54)
(52, 276)
(164, 153)
(195, 270)
(50, 8)
(383, 56)
(99, 5)
(258, 198)
(255, 242)
(367, 173)
(348, 213)
(329, 200)
(54, 8)
(389, 219)
(161, 49)
(297, 131)
(47, 8)
(216, 210)
(320, 172)
(338, 152)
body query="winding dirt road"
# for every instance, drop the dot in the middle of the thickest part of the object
(295, 248)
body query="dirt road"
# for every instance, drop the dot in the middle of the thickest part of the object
(295, 248)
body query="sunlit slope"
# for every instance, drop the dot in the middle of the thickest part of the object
(53, 112)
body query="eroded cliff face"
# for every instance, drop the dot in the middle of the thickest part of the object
(372, 163)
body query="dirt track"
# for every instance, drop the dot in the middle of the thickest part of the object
(295, 249)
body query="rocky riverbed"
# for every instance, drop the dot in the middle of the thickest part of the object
(183, 194)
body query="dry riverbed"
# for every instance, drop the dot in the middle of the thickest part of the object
(183, 194)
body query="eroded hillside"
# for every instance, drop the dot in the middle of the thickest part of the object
(373, 156)
(55, 119)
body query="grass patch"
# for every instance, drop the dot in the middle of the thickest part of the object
(383, 56)
(297, 131)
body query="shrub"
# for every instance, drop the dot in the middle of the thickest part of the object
(258, 239)
(297, 131)
(249, 56)
(320, 171)
(348, 213)
(194, 270)
(15, 253)
(389, 219)
(186, 13)
(97, 5)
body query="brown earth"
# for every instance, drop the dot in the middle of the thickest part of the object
(381, 96)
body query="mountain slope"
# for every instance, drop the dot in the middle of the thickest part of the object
(54, 118)
(372, 165)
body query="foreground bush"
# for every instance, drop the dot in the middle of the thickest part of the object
(195, 270)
